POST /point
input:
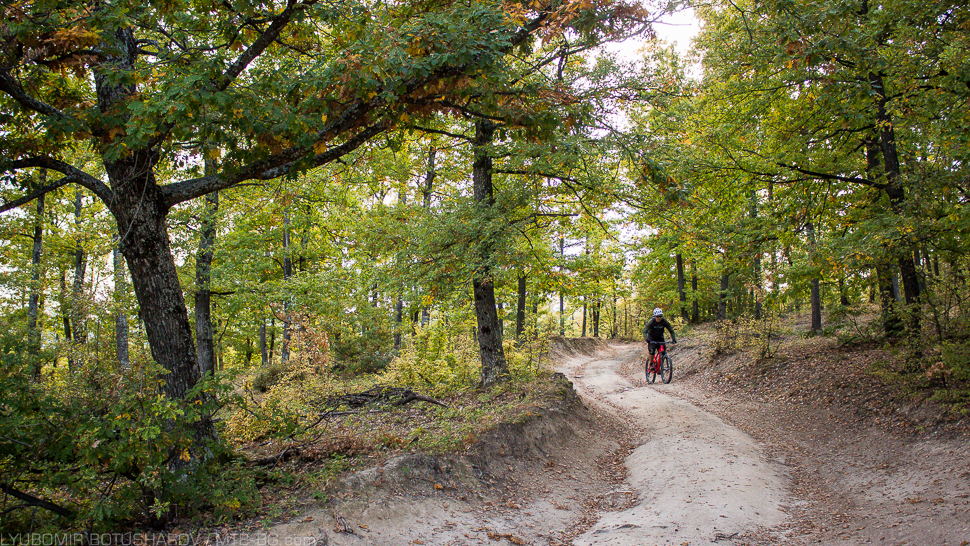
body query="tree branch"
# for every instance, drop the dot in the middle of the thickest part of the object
(34, 195)
(826, 176)
(71, 175)
(10, 86)
(261, 43)
(445, 133)
(34, 501)
(536, 173)
(273, 167)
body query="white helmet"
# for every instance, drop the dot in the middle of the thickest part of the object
(658, 312)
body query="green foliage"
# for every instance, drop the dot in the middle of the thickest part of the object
(527, 359)
(108, 447)
(956, 362)
(363, 353)
(279, 400)
(951, 375)
(759, 336)
(440, 358)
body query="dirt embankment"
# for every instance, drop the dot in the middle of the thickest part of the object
(699, 462)
(866, 466)
(535, 482)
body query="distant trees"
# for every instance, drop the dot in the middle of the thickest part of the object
(804, 161)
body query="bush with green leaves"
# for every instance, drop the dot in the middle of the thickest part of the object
(953, 374)
(440, 359)
(89, 447)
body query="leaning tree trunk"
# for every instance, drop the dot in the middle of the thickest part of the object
(139, 208)
(140, 215)
(494, 367)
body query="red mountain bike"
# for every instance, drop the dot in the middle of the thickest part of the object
(660, 363)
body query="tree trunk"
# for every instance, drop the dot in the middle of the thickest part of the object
(615, 329)
(681, 286)
(596, 318)
(583, 333)
(891, 323)
(33, 305)
(140, 207)
(494, 365)
(816, 292)
(145, 244)
(263, 349)
(272, 337)
(398, 321)
(287, 273)
(535, 316)
(121, 318)
(722, 295)
(897, 196)
(520, 309)
(695, 315)
(78, 311)
(843, 292)
(203, 287)
(65, 308)
(562, 306)
(757, 285)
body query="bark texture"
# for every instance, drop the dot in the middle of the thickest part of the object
(494, 365)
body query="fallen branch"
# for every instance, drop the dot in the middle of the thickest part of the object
(280, 457)
(395, 396)
(392, 396)
(411, 396)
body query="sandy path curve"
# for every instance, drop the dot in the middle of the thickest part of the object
(697, 479)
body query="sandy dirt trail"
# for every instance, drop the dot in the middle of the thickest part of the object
(697, 479)
(691, 479)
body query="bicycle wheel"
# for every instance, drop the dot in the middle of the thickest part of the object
(651, 374)
(666, 369)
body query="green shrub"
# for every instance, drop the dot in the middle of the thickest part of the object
(102, 447)
(956, 361)
(438, 359)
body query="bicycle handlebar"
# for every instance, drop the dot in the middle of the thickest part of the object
(661, 342)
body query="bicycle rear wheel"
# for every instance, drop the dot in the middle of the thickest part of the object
(651, 375)
(666, 369)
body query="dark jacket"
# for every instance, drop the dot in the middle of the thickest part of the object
(654, 330)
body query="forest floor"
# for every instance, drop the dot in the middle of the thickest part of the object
(808, 447)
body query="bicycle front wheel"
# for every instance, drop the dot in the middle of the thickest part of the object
(666, 369)
(651, 374)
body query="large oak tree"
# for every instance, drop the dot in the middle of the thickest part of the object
(256, 90)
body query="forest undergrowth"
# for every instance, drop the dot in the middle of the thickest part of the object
(292, 430)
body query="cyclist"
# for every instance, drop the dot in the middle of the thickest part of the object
(654, 330)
